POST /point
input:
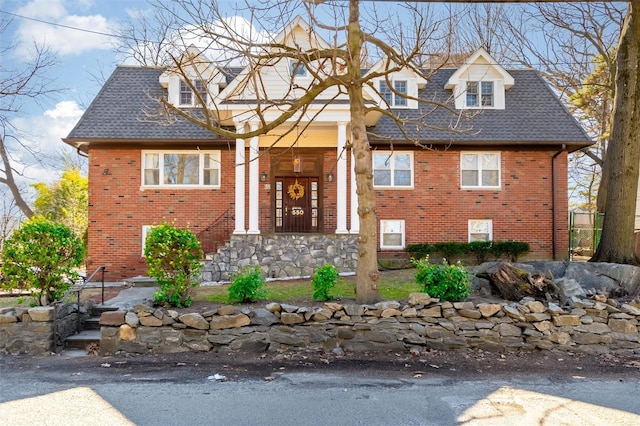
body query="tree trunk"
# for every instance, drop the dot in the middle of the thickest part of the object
(515, 284)
(367, 271)
(622, 162)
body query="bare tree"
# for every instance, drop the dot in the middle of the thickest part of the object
(18, 85)
(336, 71)
(617, 244)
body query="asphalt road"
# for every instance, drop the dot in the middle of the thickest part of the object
(152, 391)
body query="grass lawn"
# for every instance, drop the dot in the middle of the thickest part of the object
(393, 285)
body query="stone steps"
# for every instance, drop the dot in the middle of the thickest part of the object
(90, 333)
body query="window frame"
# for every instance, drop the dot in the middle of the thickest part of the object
(402, 232)
(202, 167)
(480, 94)
(488, 222)
(395, 101)
(184, 87)
(392, 155)
(295, 67)
(480, 169)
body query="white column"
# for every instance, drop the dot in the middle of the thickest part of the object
(355, 219)
(254, 183)
(239, 226)
(341, 181)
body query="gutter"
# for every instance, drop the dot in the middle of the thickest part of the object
(553, 200)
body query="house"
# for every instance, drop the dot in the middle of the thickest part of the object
(287, 201)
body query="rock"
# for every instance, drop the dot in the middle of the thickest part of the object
(289, 318)
(463, 305)
(410, 313)
(630, 309)
(226, 310)
(623, 326)
(489, 309)
(229, 321)
(131, 319)
(433, 312)
(273, 307)
(391, 304)
(537, 317)
(535, 307)
(514, 313)
(41, 313)
(194, 320)
(289, 308)
(112, 318)
(554, 309)
(509, 330)
(334, 307)
(127, 333)
(8, 318)
(150, 321)
(568, 289)
(566, 320)
(322, 314)
(388, 313)
(263, 317)
(470, 313)
(420, 299)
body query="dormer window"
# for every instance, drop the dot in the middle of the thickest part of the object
(479, 93)
(186, 94)
(393, 99)
(298, 69)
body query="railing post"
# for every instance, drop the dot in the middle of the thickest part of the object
(102, 267)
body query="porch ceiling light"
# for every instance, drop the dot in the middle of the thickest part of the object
(297, 164)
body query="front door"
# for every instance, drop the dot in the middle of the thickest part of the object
(296, 204)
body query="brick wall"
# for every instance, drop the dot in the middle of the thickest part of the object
(436, 210)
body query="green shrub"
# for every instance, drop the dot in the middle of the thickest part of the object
(419, 251)
(173, 256)
(451, 250)
(41, 256)
(481, 250)
(323, 282)
(247, 286)
(446, 282)
(511, 249)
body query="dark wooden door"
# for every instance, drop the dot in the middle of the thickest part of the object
(296, 204)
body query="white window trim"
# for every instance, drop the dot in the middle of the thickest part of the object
(145, 232)
(488, 221)
(402, 230)
(161, 153)
(393, 103)
(391, 154)
(194, 102)
(479, 153)
(480, 106)
(293, 64)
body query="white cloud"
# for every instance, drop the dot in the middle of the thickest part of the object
(43, 134)
(61, 40)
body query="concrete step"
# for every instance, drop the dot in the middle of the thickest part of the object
(83, 339)
(92, 323)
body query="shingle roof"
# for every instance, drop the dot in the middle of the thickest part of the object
(118, 111)
(532, 113)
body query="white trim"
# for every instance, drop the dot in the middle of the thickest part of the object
(201, 167)
(239, 182)
(479, 169)
(480, 225)
(341, 180)
(254, 182)
(392, 155)
(394, 226)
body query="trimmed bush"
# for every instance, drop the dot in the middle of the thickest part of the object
(247, 286)
(451, 250)
(420, 251)
(446, 282)
(323, 282)
(41, 256)
(174, 257)
(512, 249)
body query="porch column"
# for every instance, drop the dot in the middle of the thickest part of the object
(341, 180)
(355, 219)
(239, 207)
(254, 182)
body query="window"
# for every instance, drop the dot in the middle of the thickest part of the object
(392, 234)
(393, 169)
(480, 170)
(484, 98)
(297, 69)
(181, 168)
(145, 232)
(186, 94)
(480, 230)
(393, 99)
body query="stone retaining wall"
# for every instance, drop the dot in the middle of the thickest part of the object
(281, 255)
(33, 330)
(591, 326)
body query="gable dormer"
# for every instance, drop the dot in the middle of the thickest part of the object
(480, 83)
(404, 81)
(203, 77)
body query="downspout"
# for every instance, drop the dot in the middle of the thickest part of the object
(553, 201)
